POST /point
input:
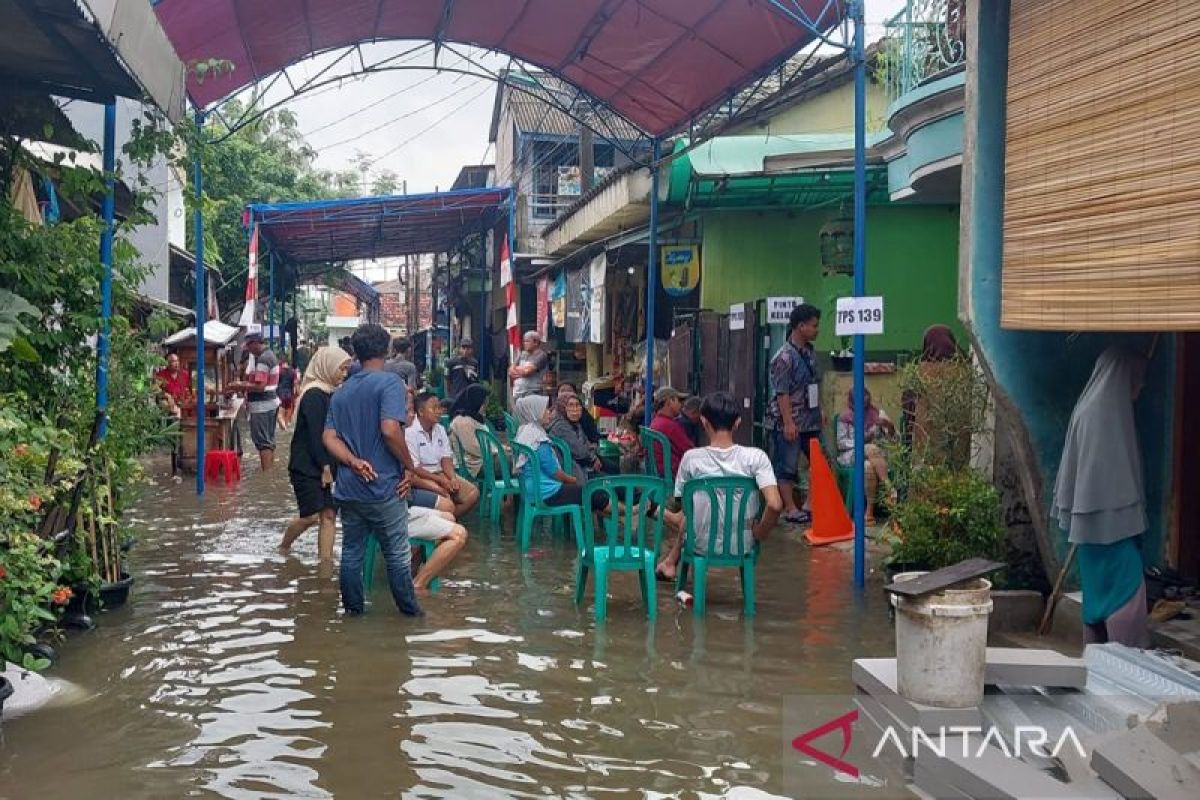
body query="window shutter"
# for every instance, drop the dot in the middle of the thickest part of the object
(1102, 166)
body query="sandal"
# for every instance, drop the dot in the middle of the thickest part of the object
(798, 517)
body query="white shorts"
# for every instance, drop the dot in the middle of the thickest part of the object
(425, 523)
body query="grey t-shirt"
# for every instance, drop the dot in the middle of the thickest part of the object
(404, 368)
(533, 383)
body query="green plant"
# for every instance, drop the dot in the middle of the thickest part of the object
(948, 516)
(29, 589)
(492, 409)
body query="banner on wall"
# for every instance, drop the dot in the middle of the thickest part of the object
(579, 305)
(543, 306)
(679, 268)
(598, 268)
(558, 301)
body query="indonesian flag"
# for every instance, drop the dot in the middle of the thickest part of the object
(510, 295)
(248, 310)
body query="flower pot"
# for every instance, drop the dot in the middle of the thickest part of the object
(115, 595)
(843, 363)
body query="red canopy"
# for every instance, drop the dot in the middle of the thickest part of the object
(659, 63)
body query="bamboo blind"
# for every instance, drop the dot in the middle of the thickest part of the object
(1102, 168)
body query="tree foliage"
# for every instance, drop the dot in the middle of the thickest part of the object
(267, 161)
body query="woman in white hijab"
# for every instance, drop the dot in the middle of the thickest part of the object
(556, 487)
(1099, 500)
(309, 463)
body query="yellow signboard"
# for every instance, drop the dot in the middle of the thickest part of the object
(679, 268)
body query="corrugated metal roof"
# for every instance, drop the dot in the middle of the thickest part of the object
(534, 114)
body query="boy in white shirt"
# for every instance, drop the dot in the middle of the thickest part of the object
(720, 415)
(430, 448)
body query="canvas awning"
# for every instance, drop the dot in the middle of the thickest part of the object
(216, 333)
(92, 50)
(327, 231)
(658, 63)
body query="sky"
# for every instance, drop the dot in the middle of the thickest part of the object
(421, 125)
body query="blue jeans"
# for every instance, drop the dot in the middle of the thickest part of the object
(388, 523)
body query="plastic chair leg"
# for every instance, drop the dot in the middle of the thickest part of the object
(427, 547)
(649, 587)
(601, 582)
(524, 530)
(747, 571)
(581, 576)
(701, 585)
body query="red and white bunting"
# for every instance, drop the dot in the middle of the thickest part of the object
(248, 310)
(510, 295)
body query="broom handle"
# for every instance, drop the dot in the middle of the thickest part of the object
(1052, 601)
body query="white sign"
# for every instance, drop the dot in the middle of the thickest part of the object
(779, 308)
(737, 317)
(859, 315)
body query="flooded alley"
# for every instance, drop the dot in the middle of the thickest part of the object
(233, 673)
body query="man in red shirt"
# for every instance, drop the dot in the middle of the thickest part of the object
(668, 404)
(174, 382)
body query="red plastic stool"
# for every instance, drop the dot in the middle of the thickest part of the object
(218, 461)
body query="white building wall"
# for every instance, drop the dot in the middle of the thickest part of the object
(152, 239)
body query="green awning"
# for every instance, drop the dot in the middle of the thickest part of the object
(729, 172)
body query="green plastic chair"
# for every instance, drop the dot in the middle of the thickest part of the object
(444, 419)
(652, 439)
(510, 426)
(631, 542)
(460, 461)
(427, 547)
(534, 507)
(564, 453)
(727, 522)
(494, 488)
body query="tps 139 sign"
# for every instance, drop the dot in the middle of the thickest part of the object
(859, 316)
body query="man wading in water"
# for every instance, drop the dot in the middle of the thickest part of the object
(364, 434)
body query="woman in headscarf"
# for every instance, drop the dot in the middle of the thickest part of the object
(1099, 500)
(939, 344)
(876, 426)
(466, 417)
(589, 424)
(310, 467)
(557, 488)
(567, 425)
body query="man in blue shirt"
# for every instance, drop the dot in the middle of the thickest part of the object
(364, 434)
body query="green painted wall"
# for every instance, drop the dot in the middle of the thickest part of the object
(912, 260)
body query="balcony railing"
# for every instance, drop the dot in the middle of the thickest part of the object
(924, 42)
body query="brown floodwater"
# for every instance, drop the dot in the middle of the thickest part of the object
(232, 673)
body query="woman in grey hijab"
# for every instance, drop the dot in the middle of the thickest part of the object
(557, 487)
(1099, 500)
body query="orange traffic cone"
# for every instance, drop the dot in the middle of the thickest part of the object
(830, 522)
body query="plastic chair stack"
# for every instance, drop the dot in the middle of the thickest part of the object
(729, 519)
(534, 507)
(226, 461)
(631, 540)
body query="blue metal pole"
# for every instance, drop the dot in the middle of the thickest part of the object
(860, 289)
(201, 305)
(103, 346)
(651, 285)
(271, 301)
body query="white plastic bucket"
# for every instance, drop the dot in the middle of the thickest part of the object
(941, 643)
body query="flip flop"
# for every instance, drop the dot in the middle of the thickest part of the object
(798, 517)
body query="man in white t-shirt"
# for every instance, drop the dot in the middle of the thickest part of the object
(720, 415)
(430, 448)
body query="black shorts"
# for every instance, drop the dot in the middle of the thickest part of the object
(311, 496)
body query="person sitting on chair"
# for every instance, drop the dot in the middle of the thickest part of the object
(876, 427)
(720, 415)
(433, 459)
(557, 487)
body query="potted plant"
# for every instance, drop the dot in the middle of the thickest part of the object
(30, 593)
(843, 360)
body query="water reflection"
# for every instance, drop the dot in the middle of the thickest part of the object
(233, 673)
